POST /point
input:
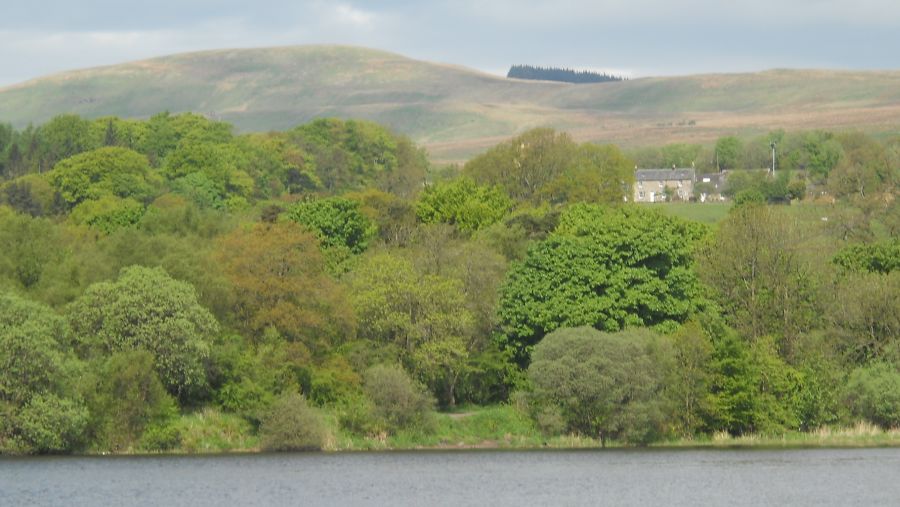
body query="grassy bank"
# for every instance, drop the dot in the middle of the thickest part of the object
(501, 427)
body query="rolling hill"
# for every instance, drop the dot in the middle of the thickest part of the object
(455, 111)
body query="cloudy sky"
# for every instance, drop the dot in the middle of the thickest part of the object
(637, 37)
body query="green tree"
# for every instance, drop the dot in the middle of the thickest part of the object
(760, 275)
(463, 203)
(524, 165)
(753, 389)
(598, 174)
(37, 370)
(65, 136)
(423, 314)
(108, 213)
(106, 171)
(221, 163)
(873, 393)
(728, 152)
(127, 399)
(605, 268)
(145, 309)
(882, 257)
(280, 281)
(337, 222)
(31, 247)
(606, 385)
(864, 313)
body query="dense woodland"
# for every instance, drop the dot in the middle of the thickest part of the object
(559, 74)
(166, 282)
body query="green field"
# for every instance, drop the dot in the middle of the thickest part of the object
(707, 213)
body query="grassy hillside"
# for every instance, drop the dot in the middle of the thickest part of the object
(452, 110)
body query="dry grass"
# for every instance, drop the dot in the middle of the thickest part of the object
(453, 111)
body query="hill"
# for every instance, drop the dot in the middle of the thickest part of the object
(455, 111)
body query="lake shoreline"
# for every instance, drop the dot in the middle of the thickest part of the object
(860, 437)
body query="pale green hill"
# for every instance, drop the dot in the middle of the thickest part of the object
(452, 110)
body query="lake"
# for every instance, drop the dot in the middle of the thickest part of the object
(432, 478)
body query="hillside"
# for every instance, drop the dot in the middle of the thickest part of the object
(454, 111)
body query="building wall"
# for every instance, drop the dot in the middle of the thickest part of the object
(652, 190)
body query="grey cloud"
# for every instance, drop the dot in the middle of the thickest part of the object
(645, 36)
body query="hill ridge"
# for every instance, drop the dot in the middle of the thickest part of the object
(456, 111)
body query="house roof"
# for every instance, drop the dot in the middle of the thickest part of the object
(663, 174)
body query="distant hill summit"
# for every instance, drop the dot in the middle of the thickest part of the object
(560, 74)
(453, 111)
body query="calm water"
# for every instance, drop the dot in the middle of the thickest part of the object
(615, 477)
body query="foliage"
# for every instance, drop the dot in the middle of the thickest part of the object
(336, 222)
(109, 171)
(606, 385)
(145, 309)
(353, 154)
(865, 314)
(753, 390)
(31, 247)
(759, 275)
(108, 213)
(292, 425)
(36, 369)
(728, 152)
(606, 268)
(137, 232)
(127, 400)
(690, 379)
(398, 402)
(396, 304)
(882, 257)
(280, 282)
(48, 423)
(463, 203)
(558, 74)
(873, 392)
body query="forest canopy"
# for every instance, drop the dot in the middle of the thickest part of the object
(170, 284)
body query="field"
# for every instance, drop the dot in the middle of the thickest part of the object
(706, 213)
(453, 111)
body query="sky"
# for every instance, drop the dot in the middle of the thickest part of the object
(632, 37)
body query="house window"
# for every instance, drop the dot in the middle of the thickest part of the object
(641, 194)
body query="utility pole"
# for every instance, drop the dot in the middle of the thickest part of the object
(773, 158)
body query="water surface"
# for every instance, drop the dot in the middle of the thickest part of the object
(837, 477)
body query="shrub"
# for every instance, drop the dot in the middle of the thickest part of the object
(48, 423)
(873, 392)
(400, 403)
(292, 425)
(605, 385)
(129, 401)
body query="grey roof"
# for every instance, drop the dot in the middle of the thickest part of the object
(663, 174)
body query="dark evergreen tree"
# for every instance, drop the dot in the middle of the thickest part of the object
(560, 74)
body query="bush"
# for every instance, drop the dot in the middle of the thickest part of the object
(160, 438)
(400, 403)
(873, 393)
(48, 423)
(292, 425)
(129, 401)
(605, 385)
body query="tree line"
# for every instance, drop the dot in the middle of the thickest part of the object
(291, 286)
(560, 74)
